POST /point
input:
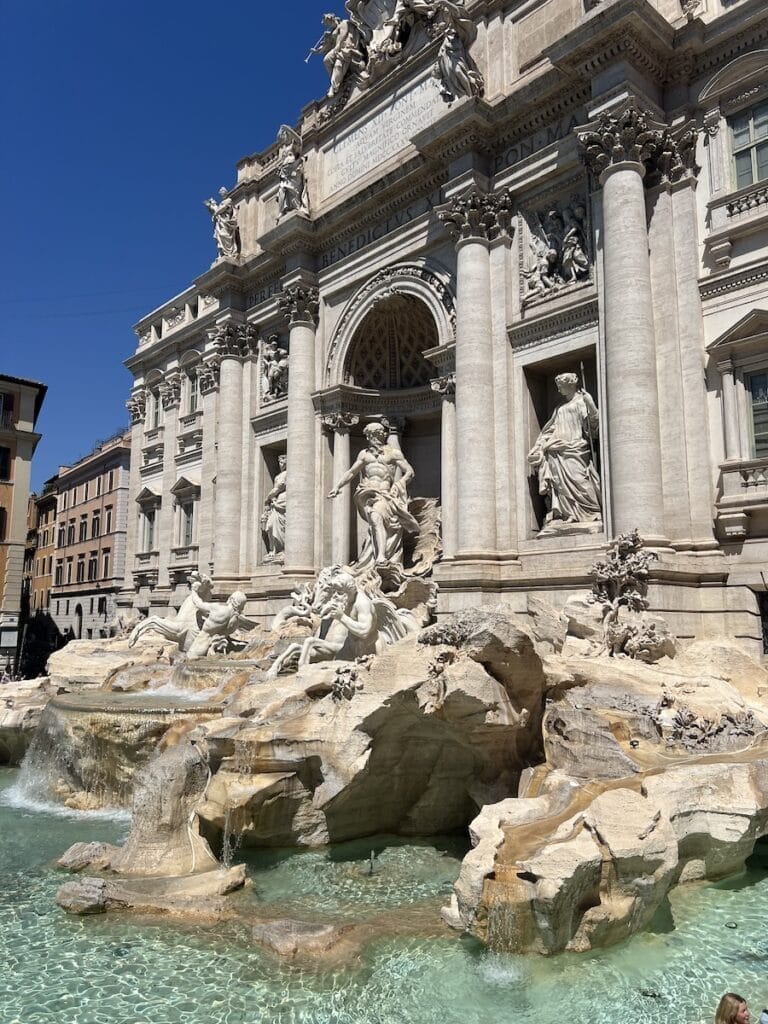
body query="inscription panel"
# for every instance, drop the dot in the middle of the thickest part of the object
(383, 136)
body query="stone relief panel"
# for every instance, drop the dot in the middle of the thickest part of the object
(556, 248)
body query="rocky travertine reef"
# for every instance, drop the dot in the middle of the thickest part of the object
(593, 783)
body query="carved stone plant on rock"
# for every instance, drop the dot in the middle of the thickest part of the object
(621, 581)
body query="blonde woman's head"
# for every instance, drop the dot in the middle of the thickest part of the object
(732, 1009)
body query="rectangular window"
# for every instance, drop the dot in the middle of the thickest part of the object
(5, 463)
(749, 135)
(102, 606)
(83, 528)
(96, 524)
(6, 409)
(71, 532)
(66, 608)
(59, 578)
(111, 480)
(186, 523)
(108, 519)
(69, 574)
(3, 523)
(93, 565)
(63, 505)
(62, 539)
(98, 486)
(80, 568)
(758, 398)
(193, 393)
(105, 573)
(149, 529)
(86, 487)
(91, 612)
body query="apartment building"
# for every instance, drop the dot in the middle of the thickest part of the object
(89, 543)
(20, 404)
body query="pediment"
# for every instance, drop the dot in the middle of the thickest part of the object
(751, 329)
(186, 484)
(747, 68)
(147, 496)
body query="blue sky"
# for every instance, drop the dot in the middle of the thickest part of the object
(118, 120)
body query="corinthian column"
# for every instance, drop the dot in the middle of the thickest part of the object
(231, 344)
(475, 219)
(446, 387)
(340, 423)
(300, 305)
(170, 396)
(617, 149)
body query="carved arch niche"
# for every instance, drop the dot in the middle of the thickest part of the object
(383, 333)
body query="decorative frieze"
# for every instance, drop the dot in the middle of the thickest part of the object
(232, 341)
(170, 389)
(300, 304)
(445, 386)
(477, 215)
(137, 405)
(631, 135)
(208, 375)
(336, 422)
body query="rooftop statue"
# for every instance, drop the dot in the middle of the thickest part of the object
(225, 229)
(563, 458)
(343, 49)
(292, 189)
(455, 70)
(377, 33)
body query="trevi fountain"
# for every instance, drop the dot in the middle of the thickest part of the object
(362, 794)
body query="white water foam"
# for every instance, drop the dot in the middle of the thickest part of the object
(180, 694)
(16, 797)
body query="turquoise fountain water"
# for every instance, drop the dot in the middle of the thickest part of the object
(120, 970)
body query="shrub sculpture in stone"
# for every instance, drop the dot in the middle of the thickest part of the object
(621, 581)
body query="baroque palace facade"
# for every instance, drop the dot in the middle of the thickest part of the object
(531, 238)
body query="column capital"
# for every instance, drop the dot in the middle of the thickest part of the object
(340, 422)
(445, 386)
(478, 216)
(300, 304)
(232, 341)
(630, 136)
(137, 405)
(170, 389)
(208, 375)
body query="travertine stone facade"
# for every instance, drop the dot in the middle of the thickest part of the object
(20, 403)
(575, 189)
(91, 526)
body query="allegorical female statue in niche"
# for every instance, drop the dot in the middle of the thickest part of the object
(563, 458)
(273, 516)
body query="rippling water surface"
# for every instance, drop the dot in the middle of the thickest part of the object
(117, 970)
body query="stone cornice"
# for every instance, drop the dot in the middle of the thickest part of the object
(367, 404)
(626, 30)
(554, 325)
(721, 284)
(270, 421)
